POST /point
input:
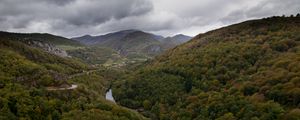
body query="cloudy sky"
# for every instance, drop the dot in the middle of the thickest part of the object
(71, 18)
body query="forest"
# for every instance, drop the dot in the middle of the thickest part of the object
(26, 72)
(149, 59)
(249, 70)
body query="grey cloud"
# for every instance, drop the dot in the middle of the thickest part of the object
(275, 7)
(60, 2)
(75, 12)
(167, 17)
(264, 8)
(96, 12)
(233, 16)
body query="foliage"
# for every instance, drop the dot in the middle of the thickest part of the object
(25, 74)
(244, 71)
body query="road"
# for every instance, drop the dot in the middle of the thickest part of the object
(59, 88)
(73, 86)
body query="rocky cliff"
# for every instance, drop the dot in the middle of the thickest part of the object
(50, 48)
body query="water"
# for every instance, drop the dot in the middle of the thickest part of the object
(109, 96)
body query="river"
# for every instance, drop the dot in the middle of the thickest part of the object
(109, 96)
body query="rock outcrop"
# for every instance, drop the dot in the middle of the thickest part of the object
(52, 49)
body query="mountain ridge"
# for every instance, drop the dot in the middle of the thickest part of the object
(134, 42)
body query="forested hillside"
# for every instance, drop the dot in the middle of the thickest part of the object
(27, 72)
(245, 71)
(48, 38)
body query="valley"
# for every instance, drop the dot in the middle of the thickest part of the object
(39, 84)
(124, 47)
(248, 70)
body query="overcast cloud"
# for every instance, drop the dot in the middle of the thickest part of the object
(166, 17)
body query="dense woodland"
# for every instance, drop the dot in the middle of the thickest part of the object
(249, 70)
(26, 72)
(245, 71)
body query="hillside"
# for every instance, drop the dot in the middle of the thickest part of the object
(63, 47)
(99, 56)
(170, 42)
(126, 42)
(244, 71)
(44, 37)
(134, 43)
(26, 73)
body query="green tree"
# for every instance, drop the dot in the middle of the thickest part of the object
(293, 115)
(147, 104)
(227, 116)
(188, 84)
(55, 115)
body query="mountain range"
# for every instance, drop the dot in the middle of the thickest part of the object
(134, 42)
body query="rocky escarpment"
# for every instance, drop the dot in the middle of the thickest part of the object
(52, 49)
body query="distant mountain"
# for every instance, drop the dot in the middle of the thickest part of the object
(50, 43)
(170, 42)
(86, 39)
(134, 42)
(44, 37)
(180, 38)
(127, 42)
(92, 40)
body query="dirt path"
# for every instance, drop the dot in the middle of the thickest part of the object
(73, 86)
(58, 88)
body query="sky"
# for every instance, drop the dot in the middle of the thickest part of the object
(70, 18)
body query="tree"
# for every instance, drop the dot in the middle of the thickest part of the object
(147, 104)
(293, 115)
(271, 110)
(250, 89)
(55, 115)
(188, 84)
(12, 105)
(227, 116)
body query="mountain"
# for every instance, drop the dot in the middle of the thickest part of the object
(249, 70)
(134, 42)
(170, 42)
(92, 40)
(86, 39)
(127, 42)
(50, 43)
(58, 41)
(180, 38)
(27, 72)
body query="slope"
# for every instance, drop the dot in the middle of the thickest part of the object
(58, 41)
(244, 71)
(170, 42)
(26, 72)
(127, 42)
